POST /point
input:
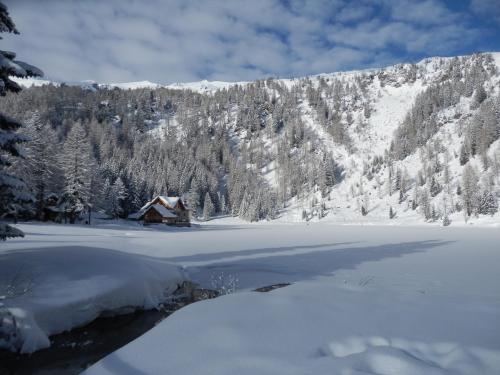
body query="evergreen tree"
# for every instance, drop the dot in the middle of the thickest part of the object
(435, 187)
(479, 96)
(392, 213)
(425, 204)
(487, 203)
(414, 202)
(40, 169)
(106, 198)
(76, 164)
(12, 188)
(208, 207)
(469, 189)
(118, 197)
(193, 197)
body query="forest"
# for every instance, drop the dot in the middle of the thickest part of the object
(247, 150)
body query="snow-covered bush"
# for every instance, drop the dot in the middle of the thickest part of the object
(224, 284)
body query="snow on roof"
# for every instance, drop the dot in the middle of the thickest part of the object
(143, 208)
(164, 212)
(170, 201)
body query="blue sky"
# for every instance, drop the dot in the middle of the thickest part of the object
(169, 41)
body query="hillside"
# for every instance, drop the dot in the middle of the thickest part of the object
(404, 144)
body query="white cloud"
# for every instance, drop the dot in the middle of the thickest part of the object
(173, 41)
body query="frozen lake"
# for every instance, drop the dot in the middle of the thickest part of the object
(364, 299)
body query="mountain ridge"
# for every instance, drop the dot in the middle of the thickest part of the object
(204, 86)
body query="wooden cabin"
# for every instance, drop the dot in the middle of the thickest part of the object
(167, 210)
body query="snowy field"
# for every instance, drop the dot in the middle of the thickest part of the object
(364, 299)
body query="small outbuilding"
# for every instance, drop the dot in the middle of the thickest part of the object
(163, 209)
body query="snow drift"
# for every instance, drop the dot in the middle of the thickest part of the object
(50, 290)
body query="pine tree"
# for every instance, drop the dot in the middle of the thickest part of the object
(40, 169)
(479, 97)
(469, 189)
(425, 204)
(392, 213)
(487, 203)
(106, 198)
(223, 206)
(11, 186)
(208, 207)
(446, 220)
(76, 164)
(414, 201)
(244, 211)
(193, 197)
(118, 196)
(435, 187)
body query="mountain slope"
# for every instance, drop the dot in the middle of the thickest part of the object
(407, 143)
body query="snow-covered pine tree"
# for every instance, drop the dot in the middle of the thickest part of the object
(392, 213)
(425, 204)
(193, 197)
(106, 198)
(464, 155)
(208, 207)
(414, 201)
(11, 187)
(76, 163)
(469, 189)
(118, 197)
(487, 203)
(40, 169)
(479, 96)
(435, 187)
(223, 207)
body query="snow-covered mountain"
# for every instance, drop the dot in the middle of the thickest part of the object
(389, 144)
(203, 86)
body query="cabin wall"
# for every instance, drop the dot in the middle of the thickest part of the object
(151, 216)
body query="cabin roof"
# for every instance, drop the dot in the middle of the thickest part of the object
(162, 210)
(170, 201)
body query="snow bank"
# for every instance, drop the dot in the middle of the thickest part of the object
(318, 328)
(372, 299)
(44, 291)
(365, 299)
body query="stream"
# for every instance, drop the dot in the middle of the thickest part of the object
(73, 351)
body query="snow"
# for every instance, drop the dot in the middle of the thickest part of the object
(375, 296)
(364, 299)
(32, 82)
(163, 211)
(51, 283)
(132, 85)
(202, 87)
(169, 201)
(496, 57)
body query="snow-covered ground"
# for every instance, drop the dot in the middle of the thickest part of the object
(58, 278)
(364, 299)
